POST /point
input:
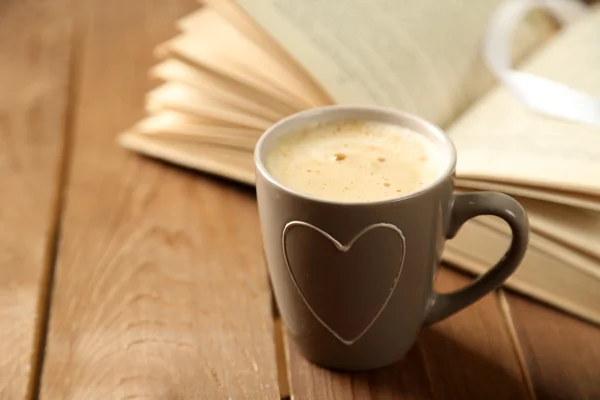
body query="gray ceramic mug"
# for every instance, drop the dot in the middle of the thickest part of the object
(353, 281)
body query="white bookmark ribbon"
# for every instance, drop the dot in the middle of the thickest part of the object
(543, 95)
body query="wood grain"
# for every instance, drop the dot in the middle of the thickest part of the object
(561, 352)
(405, 380)
(160, 291)
(34, 74)
(467, 356)
(471, 355)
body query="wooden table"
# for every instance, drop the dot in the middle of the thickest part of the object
(117, 277)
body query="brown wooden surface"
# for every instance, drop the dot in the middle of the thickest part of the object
(34, 72)
(467, 356)
(562, 354)
(159, 291)
(159, 288)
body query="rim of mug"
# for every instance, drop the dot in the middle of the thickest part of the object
(441, 136)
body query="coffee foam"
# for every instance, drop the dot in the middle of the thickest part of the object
(354, 161)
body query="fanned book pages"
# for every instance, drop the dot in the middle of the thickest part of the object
(236, 67)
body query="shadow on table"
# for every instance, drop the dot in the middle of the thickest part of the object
(437, 367)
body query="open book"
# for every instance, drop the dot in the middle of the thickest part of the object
(236, 67)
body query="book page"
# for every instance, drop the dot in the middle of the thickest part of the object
(239, 20)
(169, 124)
(541, 274)
(215, 44)
(567, 198)
(501, 139)
(234, 164)
(182, 98)
(228, 93)
(573, 227)
(421, 56)
(571, 259)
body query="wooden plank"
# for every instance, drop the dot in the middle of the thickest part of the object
(471, 355)
(160, 289)
(280, 353)
(561, 352)
(406, 380)
(34, 75)
(467, 356)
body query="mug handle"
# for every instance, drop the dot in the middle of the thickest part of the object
(467, 206)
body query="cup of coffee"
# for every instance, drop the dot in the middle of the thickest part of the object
(355, 206)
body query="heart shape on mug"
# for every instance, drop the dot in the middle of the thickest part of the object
(333, 278)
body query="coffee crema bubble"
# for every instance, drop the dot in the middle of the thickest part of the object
(354, 161)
